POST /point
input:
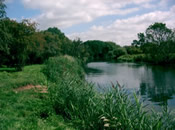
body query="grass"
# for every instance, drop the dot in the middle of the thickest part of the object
(30, 75)
(26, 109)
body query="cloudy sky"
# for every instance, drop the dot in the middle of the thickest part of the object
(109, 20)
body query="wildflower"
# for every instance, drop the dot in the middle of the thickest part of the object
(106, 125)
(105, 120)
(119, 124)
(103, 117)
(115, 118)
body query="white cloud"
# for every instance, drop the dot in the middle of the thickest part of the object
(65, 13)
(124, 31)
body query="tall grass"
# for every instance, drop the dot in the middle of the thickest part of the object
(77, 101)
(56, 67)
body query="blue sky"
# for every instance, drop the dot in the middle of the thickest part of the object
(109, 20)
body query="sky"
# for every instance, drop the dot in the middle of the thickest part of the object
(118, 21)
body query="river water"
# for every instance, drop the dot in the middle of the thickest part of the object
(155, 84)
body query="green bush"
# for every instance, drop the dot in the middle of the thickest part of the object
(133, 58)
(55, 68)
(128, 58)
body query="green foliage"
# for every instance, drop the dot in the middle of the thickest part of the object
(158, 42)
(99, 50)
(133, 50)
(14, 40)
(79, 50)
(157, 33)
(55, 68)
(133, 58)
(47, 44)
(21, 44)
(62, 41)
(126, 58)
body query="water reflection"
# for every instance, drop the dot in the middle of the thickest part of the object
(162, 87)
(156, 84)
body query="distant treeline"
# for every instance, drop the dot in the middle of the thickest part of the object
(21, 43)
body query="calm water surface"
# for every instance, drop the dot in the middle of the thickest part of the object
(155, 84)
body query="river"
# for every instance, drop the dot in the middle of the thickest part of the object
(155, 84)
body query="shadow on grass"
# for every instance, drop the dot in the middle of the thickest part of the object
(8, 69)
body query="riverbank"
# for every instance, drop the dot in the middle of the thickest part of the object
(147, 59)
(69, 97)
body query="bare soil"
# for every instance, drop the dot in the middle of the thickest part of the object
(37, 88)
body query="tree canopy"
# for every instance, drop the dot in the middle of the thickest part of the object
(158, 41)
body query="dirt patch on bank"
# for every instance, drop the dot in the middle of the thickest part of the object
(37, 88)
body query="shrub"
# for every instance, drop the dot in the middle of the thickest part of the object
(55, 68)
(128, 58)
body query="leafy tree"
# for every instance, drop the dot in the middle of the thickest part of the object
(158, 42)
(65, 42)
(141, 40)
(99, 50)
(133, 50)
(157, 33)
(2, 9)
(14, 41)
(36, 48)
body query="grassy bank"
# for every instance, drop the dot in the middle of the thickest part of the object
(77, 101)
(26, 109)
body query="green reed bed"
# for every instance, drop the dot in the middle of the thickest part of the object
(76, 100)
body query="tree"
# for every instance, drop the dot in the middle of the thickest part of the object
(157, 33)
(14, 41)
(157, 41)
(100, 50)
(2, 9)
(65, 42)
(133, 50)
